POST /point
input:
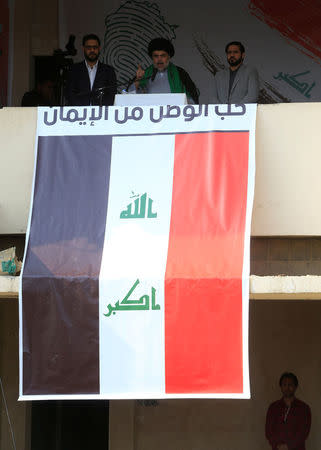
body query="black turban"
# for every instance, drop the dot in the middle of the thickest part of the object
(161, 44)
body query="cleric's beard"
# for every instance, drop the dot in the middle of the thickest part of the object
(161, 67)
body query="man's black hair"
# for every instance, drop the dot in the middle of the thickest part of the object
(161, 44)
(45, 77)
(90, 36)
(291, 376)
(239, 44)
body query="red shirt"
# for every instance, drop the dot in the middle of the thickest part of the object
(288, 426)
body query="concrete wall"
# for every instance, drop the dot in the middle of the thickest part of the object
(285, 256)
(17, 130)
(287, 177)
(287, 189)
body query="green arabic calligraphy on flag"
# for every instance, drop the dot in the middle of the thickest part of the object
(127, 304)
(137, 209)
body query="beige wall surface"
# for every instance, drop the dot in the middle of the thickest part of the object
(288, 159)
(17, 131)
(288, 181)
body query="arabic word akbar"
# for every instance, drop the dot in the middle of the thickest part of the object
(144, 303)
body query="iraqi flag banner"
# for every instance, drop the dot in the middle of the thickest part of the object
(135, 281)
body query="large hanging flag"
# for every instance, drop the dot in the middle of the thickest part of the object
(135, 278)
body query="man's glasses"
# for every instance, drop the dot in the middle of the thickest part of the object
(91, 47)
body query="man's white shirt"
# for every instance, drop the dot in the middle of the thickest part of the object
(92, 73)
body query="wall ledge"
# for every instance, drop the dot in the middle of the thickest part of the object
(280, 287)
(9, 287)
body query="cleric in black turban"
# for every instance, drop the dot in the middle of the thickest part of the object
(163, 76)
(161, 44)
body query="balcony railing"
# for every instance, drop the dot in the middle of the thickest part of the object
(288, 161)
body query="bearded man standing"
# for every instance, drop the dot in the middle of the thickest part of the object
(91, 82)
(288, 420)
(239, 83)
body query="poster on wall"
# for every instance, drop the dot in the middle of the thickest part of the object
(136, 273)
(281, 40)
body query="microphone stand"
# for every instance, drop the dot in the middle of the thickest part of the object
(100, 94)
(97, 93)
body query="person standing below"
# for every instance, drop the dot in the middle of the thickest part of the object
(163, 77)
(91, 82)
(239, 83)
(288, 420)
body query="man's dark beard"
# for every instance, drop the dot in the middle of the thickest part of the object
(236, 62)
(92, 58)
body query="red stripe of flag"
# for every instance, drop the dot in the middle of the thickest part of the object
(203, 282)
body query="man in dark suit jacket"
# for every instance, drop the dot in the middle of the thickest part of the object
(91, 82)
